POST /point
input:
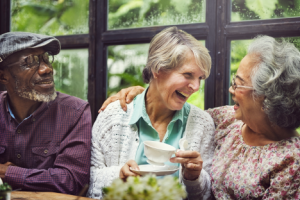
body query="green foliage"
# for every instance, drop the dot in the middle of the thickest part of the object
(5, 187)
(140, 13)
(197, 99)
(264, 9)
(60, 17)
(71, 72)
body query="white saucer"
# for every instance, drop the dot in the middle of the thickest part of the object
(149, 169)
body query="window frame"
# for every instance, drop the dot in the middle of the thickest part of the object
(217, 31)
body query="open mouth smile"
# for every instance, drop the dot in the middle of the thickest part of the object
(236, 105)
(182, 94)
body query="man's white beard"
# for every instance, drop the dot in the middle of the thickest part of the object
(36, 96)
(32, 94)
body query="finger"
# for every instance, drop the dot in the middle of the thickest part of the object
(133, 164)
(108, 101)
(181, 160)
(187, 154)
(9, 164)
(122, 97)
(127, 172)
(133, 93)
(193, 167)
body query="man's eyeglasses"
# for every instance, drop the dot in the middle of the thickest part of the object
(35, 60)
(234, 85)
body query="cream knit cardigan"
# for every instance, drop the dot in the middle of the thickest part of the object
(114, 142)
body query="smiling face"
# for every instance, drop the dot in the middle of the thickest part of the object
(246, 108)
(35, 82)
(174, 87)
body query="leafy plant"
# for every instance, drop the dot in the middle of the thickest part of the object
(5, 187)
(145, 188)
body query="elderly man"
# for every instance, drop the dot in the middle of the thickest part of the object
(44, 135)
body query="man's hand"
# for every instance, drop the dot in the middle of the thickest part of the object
(3, 168)
(125, 96)
(125, 171)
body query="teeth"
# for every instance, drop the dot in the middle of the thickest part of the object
(186, 95)
(45, 82)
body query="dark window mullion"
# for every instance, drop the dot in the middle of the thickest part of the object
(4, 22)
(4, 16)
(74, 41)
(211, 46)
(97, 56)
(269, 27)
(144, 35)
(221, 89)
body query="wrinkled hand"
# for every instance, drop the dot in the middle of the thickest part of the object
(125, 96)
(3, 168)
(125, 170)
(191, 162)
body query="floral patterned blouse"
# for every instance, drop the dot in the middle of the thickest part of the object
(240, 171)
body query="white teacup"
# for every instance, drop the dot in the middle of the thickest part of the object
(157, 152)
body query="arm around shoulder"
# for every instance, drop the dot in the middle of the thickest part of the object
(201, 133)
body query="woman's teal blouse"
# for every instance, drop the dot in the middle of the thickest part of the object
(146, 132)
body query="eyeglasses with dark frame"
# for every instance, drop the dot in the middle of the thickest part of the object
(35, 60)
(234, 85)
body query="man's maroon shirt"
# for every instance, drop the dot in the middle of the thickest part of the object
(51, 148)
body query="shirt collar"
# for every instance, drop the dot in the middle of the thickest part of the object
(9, 110)
(139, 110)
(43, 106)
(138, 107)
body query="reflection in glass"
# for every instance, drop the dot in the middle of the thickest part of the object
(141, 13)
(71, 72)
(239, 51)
(264, 9)
(60, 17)
(125, 66)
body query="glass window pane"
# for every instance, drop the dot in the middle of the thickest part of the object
(71, 72)
(264, 9)
(59, 17)
(239, 51)
(125, 66)
(142, 13)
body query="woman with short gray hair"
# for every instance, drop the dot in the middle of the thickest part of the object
(258, 149)
(177, 62)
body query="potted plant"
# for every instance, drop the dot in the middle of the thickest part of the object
(145, 188)
(5, 191)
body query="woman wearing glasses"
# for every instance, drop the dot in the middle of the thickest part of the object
(257, 154)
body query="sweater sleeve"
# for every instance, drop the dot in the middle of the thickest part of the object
(113, 144)
(222, 117)
(201, 134)
(102, 174)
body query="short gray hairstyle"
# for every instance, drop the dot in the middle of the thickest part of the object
(277, 78)
(168, 50)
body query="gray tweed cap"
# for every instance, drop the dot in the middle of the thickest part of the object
(13, 42)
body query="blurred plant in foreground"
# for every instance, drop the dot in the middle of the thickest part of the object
(145, 188)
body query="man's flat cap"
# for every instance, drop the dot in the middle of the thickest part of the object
(13, 42)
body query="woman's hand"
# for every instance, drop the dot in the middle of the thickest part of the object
(191, 162)
(125, 96)
(125, 170)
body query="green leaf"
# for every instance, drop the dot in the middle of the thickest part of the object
(181, 6)
(264, 8)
